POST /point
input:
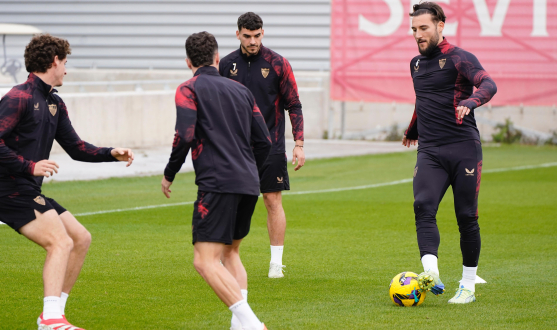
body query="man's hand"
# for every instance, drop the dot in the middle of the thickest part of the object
(462, 111)
(165, 186)
(123, 155)
(407, 142)
(298, 153)
(45, 168)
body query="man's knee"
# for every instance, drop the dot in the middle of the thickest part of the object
(272, 200)
(83, 240)
(202, 266)
(425, 209)
(467, 223)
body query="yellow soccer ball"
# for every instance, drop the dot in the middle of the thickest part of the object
(404, 290)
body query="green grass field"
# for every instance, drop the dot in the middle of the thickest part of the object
(342, 250)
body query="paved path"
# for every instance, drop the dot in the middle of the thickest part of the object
(153, 161)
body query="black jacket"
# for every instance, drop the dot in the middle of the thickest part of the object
(442, 82)
(271, 80)
(218, 119)
(31, 117)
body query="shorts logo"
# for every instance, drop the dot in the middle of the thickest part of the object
(469, 172)
(415, 171)
(442, 62)
(280, 180)
(265, 72)
(233, 71)
(53, 109)
(36, 107)
(40, 200)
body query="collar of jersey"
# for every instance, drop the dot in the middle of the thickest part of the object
(442, 48)
(210, 70)
(251, 58)
(43, 87)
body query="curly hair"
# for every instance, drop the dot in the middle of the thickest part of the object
(250, 21)
(429, 7)
(201, 48)
(41, 50)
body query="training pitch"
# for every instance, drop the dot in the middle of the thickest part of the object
(348, 234)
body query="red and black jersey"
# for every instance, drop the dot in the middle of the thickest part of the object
(271, 80)
(219, 120)
(442, 82)
(31, 117)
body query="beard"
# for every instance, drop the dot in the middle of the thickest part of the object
(431, 45)
(251, 52)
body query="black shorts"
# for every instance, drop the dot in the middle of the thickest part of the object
(222, 218)
(18, 209)
(273, 176)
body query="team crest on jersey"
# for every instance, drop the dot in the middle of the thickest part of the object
(233, 71)
(53, 109)
(265, 72)
(40, 200)
(442, 62)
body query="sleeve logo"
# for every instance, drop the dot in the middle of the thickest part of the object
(417, 66)
(36, 107)
(265, 72)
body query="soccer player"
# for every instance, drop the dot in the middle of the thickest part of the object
(32, 116)
(449, 148)
(269, 77)
(219, 120)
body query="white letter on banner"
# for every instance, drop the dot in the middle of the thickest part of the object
(450, 28)
(540, 19)
(387, 28)
(491, 27)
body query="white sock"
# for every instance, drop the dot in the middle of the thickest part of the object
(429, 261)
(246, 316)
(63, 300)
(51, 309)
(276, 254)
(469, 278)
(235, 322)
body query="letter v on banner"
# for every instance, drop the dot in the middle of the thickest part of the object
(491, 26)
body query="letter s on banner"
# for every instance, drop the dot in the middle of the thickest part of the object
(387, 28)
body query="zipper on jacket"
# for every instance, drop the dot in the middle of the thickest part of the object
(249, 73)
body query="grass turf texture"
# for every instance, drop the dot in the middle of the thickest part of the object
(342, 250)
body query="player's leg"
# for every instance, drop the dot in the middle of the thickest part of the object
(231, 255)
(431, 181)
(48, 231)
(207, 263)
(276, 225)
(274, 179)
(82, 240)
(467, 172)
(213, 224)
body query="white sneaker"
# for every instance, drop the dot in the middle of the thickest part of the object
(275, 270)
(463, 296)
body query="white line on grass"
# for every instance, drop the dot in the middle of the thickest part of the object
(369, 186)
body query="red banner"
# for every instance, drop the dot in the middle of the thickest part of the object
(515, 41)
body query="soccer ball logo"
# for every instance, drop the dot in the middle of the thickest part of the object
(404, 290)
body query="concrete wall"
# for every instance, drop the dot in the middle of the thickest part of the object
(146, 118)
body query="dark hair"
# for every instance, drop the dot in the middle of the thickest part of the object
(41, 50)
(250, 21)
(201, 48)
(429, 7)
